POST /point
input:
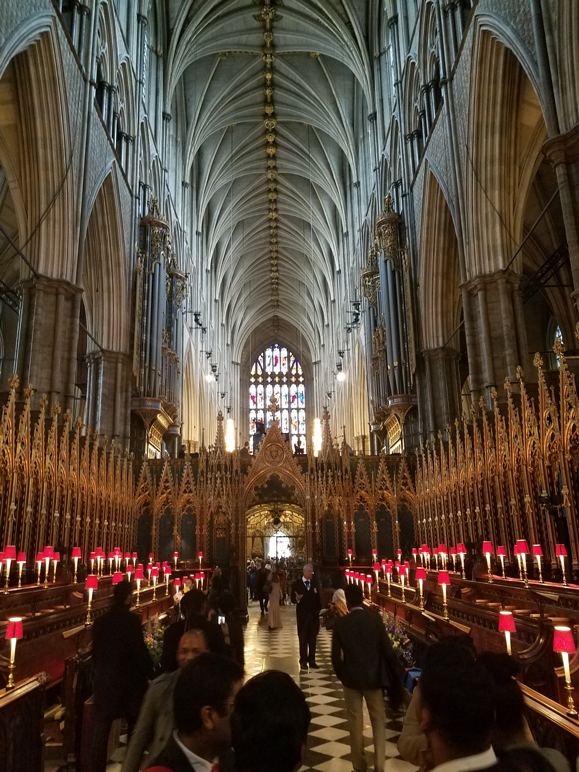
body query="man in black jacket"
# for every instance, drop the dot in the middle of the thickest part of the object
(306, 593)
(122, 667)
(192, 607)
(365, 663)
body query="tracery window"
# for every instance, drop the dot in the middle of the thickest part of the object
(277, 371)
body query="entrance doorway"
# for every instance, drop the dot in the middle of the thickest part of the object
(276, 530)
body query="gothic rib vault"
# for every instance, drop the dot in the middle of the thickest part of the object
(275, 94)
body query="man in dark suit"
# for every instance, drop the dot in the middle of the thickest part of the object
(193, 608)
(122, 668)
(202, 706)
(306, 593)
(365, 663)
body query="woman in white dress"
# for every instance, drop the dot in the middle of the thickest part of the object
(273, 615)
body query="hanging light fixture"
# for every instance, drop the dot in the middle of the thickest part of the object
(317, 437)
(340, 375)
(230, 436)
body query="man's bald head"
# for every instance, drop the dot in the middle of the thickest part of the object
(191, 645)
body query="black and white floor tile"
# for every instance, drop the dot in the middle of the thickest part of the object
(329, 738)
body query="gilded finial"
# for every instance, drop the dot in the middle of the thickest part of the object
(520, 373)
(508, 387)
(538, 361)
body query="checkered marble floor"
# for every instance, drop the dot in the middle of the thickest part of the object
(329, 738)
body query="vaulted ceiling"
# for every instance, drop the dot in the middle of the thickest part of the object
(275, 94)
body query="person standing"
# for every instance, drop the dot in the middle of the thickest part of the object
(307, 596)
(274, 615)
(202, 705)
(156, 721)
(365, 663)
(122, 668)
(261, 582)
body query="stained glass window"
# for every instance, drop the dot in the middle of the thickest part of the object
(277, 371)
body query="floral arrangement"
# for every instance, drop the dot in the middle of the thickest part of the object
(400, 642)
(153, 635)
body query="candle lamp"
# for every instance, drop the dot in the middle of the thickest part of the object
(177, 584)
(21, 560)
(369, 582)
(401, 577)
(76, 554)
(415, 554)
(111, 558)
(388, 572)
(117, 577)
(9, 556)
(154, 577)
(383, 566)
(167, 577)
(39, 560)
(443, 553)
(444, 581)
(92, 560)
(117, 555)
(420, 577)
(561, 553)
(151, 558)
(376, 568)
(363, 582)
(55, 562)
(523, 551)
(538, 553)
(488, 551)
(501, 554)
(435, 553)
(176, 559)
(507, 626)
(564, 644)
(92, 583)
(127, 559)
(149, 569)
(461, 551)
(453, 556)
(135, 556)
(200, 556)
(139, 576)
(374, 556)
(14, 633)
(357, 577)
(129, 572)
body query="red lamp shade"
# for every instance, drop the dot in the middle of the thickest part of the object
(487, 547)
(501, 551)
(39, 557)
(93, 555)
(140, 565)
(149, 566)
(397, 564)
(135, 555)
(426, 550)
(349, 553)
(523, 547)
(154, 572)
(374, 552)
(56, 557)
(406, 564)
(92, 582)
(399, 552)
(21, 557)
(127, 555)
(100, 552)
(435, 550)
(561, 550)
(384, 561)
(151, 557)
(111, 555)
(453, 550)
(507, 622)
(420, 573)
(117, 551)
(424, 547)
(415, 551)
(516, 550)
(537, 551)
(167, 570)
(10, 552)
(201, 554)
(402, 571)
(130, 570)
(442, 548)
(48, 552)
(157, 566)
(563, 640)
(175, 554)
(388, 569)
(1, 557)
(76, 552)
(14, 629)
(460, 549)
(376, 567)
(177, 582)
(117, 577)
(443, 577)
(369, 579)
(139, 574)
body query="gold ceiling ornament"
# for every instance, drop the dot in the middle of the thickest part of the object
(268, 15)
(387, 230)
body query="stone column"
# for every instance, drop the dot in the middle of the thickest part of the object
(48, 339)
(109, 395)
(444, 387)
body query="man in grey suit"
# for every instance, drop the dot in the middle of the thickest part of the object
(365, 663)
(156, 723)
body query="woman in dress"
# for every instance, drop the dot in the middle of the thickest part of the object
(273, 615)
